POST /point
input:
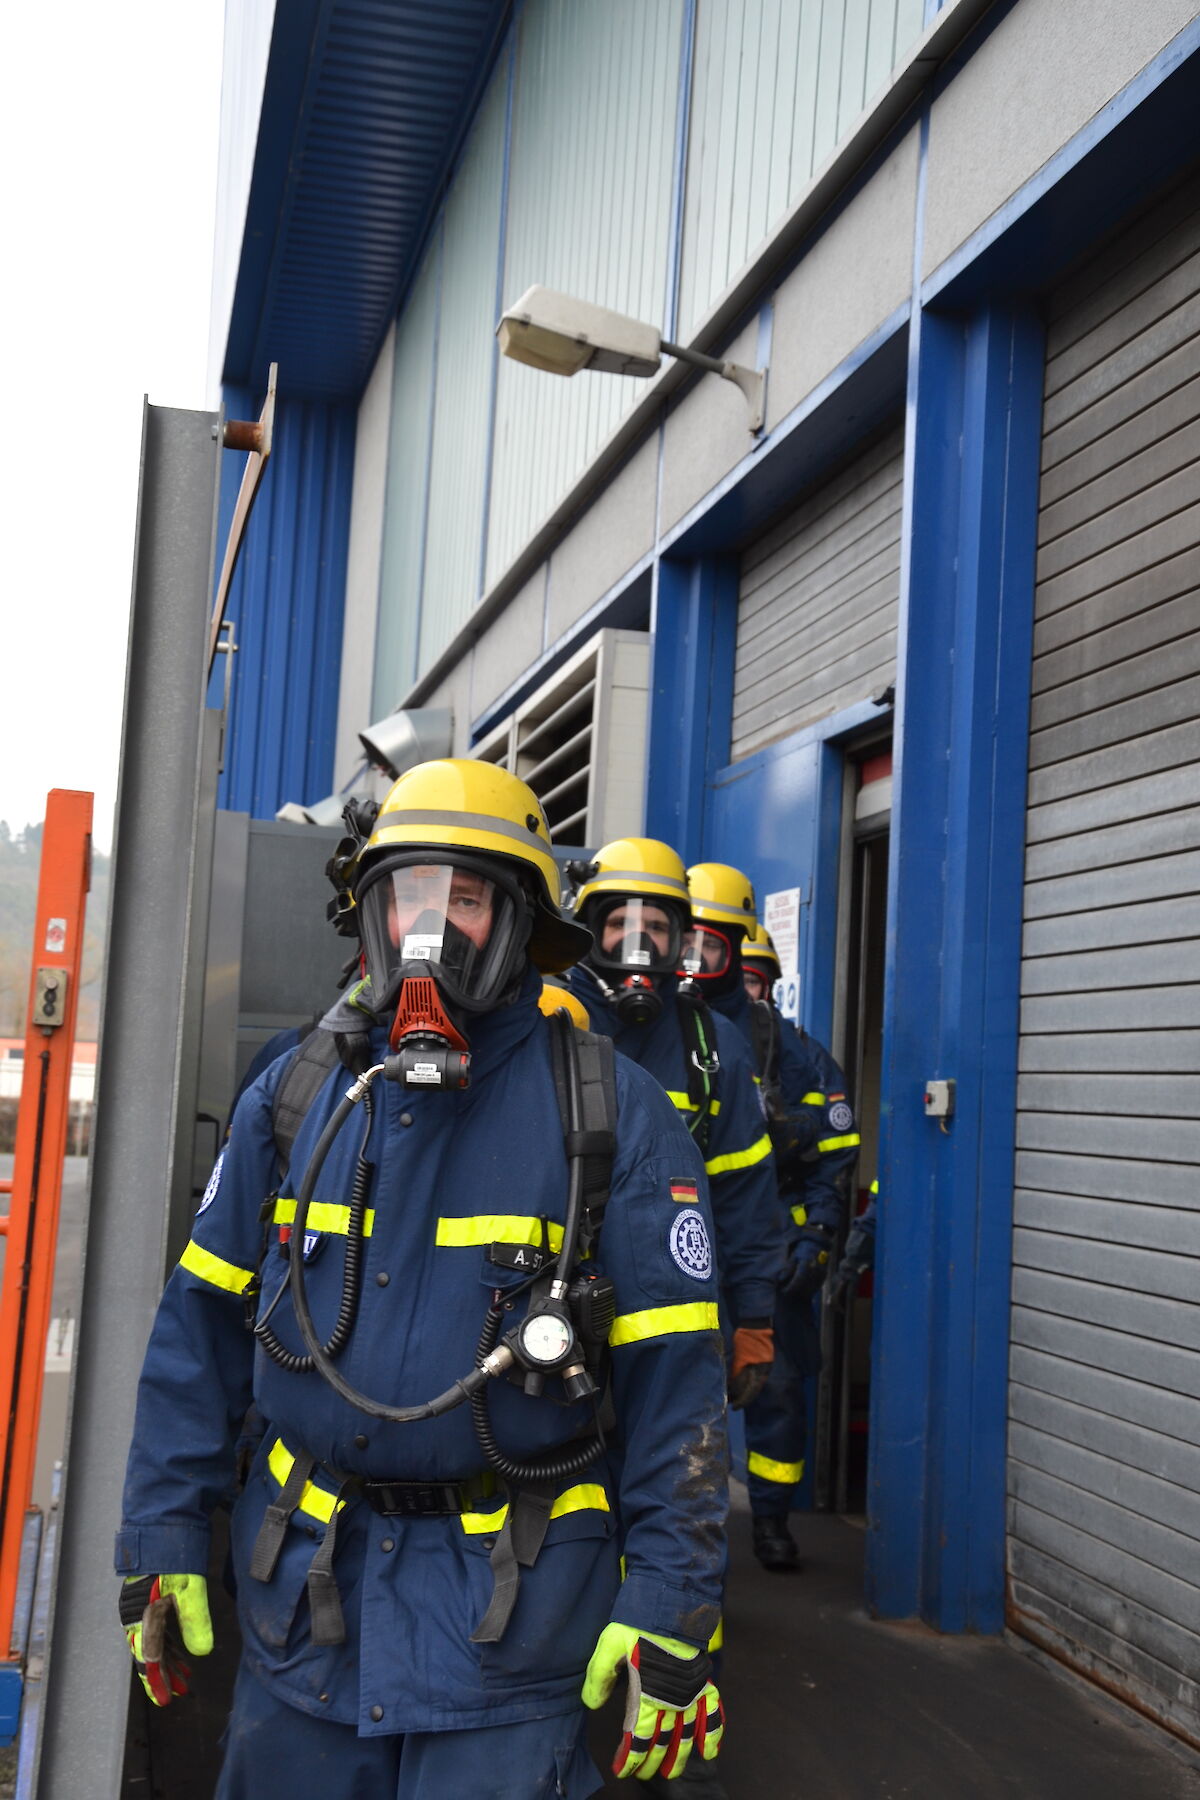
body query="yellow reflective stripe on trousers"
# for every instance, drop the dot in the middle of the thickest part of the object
(770, 1470)
(813, 1100)
(740, 1159)
(684, 1103)
(842, 1143)
(494, 1228)
(661, 1321)
(586, 1496)
(317, 1502)
(322, 1216)
(215, 1270)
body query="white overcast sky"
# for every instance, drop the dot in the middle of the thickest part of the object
(109, 119)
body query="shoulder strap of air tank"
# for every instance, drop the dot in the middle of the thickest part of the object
(596, 1140)
(700, 1050)
(307, 1073)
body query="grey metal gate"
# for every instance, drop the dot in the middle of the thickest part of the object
(1104, 1446)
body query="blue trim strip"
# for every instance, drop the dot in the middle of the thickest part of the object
(691, 696)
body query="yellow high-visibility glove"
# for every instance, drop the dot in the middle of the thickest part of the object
(157, 1611)
(671, 1708)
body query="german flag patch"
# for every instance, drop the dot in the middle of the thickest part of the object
(684, 1193)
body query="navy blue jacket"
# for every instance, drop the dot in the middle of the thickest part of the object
(738, 1158)
(813, 1090)
(455, 1174)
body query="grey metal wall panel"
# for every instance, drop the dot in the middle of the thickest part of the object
(775, 85)
(1104, 1472)
(466, 358)
(817, 602)
(589, 212)
(402, 557)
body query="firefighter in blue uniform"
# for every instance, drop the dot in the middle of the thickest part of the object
(634, 900)
(482, 1385)
(816, 1144)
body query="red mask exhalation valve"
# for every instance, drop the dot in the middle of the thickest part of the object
(429, 1049)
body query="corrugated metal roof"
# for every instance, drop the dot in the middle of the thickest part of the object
(365, 105)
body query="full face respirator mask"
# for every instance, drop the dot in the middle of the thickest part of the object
(711, 958)
(441, 941)
(637, 944)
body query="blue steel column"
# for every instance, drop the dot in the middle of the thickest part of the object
(691, 695)
(939, 1383)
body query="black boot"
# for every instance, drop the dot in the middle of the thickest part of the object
(774, 1545)
(697, 1778)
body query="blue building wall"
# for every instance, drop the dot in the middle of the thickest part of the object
(286, 602)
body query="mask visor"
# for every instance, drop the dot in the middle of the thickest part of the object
(445, 920)
(640, 936)
(707, 953)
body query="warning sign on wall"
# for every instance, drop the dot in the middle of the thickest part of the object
(781, 916)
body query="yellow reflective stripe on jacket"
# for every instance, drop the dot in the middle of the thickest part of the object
(495, 1228)
(840, 1143)
(661, 1321)
(586, 1496)
(215, 1270)
(770, 1470)
(813, 1100)
(800, 1214)
(317, 1502)
(684, 1103)
(322, 1216)
(740, 1159)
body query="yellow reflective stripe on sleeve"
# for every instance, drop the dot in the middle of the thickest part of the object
(324, 1217)
(740, 1159)
(800, 1214)
(684, 1104)
(586, 1496)
(494, 1228)
(842, 1143)
(874, 1189)
(215, 1270)
(813, 1100)
(315, 1501)
(661, 1321)
(770, 1470)
(718, 1636)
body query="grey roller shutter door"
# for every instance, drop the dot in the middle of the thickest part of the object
(1104, 1444)
(817, 602)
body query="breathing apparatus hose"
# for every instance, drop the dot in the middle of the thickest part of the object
(351, 1279)
(567, 1461)
(493, 1364)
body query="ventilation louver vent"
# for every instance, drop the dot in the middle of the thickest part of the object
(580, 741)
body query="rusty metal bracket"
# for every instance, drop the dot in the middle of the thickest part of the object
(242, 434)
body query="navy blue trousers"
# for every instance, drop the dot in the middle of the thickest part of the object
(274, 1752)
(776, 1423)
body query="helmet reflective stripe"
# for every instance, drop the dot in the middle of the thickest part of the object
(716, 909)
(454, 822)
(637, 881)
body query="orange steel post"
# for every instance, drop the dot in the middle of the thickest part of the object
(42, 1119)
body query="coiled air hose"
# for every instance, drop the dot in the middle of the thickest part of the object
(351, 1278)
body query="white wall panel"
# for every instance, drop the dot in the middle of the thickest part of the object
(465, 362)
(588, 212)
(404, 516)
(776, 84)
(356, 685)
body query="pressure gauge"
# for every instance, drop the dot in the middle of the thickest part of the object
(545, 1338)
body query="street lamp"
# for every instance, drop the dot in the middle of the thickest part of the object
(562, 335)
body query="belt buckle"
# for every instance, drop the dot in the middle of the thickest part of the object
(416, 1499)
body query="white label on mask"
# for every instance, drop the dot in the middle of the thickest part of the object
(638, 956)
(419, 946)
(423, 1072)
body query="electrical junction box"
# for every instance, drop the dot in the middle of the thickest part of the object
(49, 998)
(939, 1099)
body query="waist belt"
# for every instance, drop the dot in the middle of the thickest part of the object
(517, 1543)
(424, 1499)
